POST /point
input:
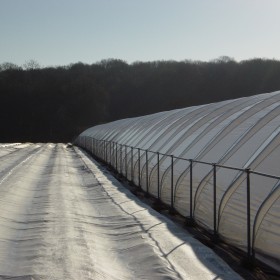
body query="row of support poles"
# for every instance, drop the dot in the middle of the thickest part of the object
(117, 156)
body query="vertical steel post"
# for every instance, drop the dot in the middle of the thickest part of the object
(105, 150)
(112, 154)
(121, 148)
(95, 147)
(191, 189)
(172, 182)
(248, 215)
(126, 161)
(158, 182)
(101, 148)
(139, 168)
(132, 175)
(117, 156)
(215, 198)
(110, 160)
(147, 171)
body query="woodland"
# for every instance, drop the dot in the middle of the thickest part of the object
(56, 103)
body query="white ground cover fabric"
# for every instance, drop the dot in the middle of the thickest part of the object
(63, 217)
(242, 133)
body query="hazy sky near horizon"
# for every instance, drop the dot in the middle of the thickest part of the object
(60, 32)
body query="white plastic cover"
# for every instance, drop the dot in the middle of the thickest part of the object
(242, 133)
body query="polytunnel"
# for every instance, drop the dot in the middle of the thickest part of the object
(217, 164)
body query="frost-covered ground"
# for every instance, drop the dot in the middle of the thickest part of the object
(63, 217)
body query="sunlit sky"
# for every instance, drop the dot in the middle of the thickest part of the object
(60, 32)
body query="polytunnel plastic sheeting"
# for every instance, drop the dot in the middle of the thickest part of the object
(148, 138)
(242, 133)
(265, 227)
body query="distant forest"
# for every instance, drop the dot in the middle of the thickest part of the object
(55, 104)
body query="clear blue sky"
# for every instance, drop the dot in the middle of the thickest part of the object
(59, 32)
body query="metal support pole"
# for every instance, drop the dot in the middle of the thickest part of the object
(117, 156)
(102, 149)
(112, 155)
(158, 182)
(249, 249)
(147, 171)
(121, 159)
(126, 161)
(132, 175)
(191, 189)
(172, 182)
(105, 150)
(215, 198)
(110, 160)
(95, 147)
(139, 168)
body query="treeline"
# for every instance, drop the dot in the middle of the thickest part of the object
(57, 103)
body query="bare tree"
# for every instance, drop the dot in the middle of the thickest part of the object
(31, 65)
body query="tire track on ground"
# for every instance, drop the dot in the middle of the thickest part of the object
(67, 255)
(19, 227)
(14, 161)
(11, 149)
